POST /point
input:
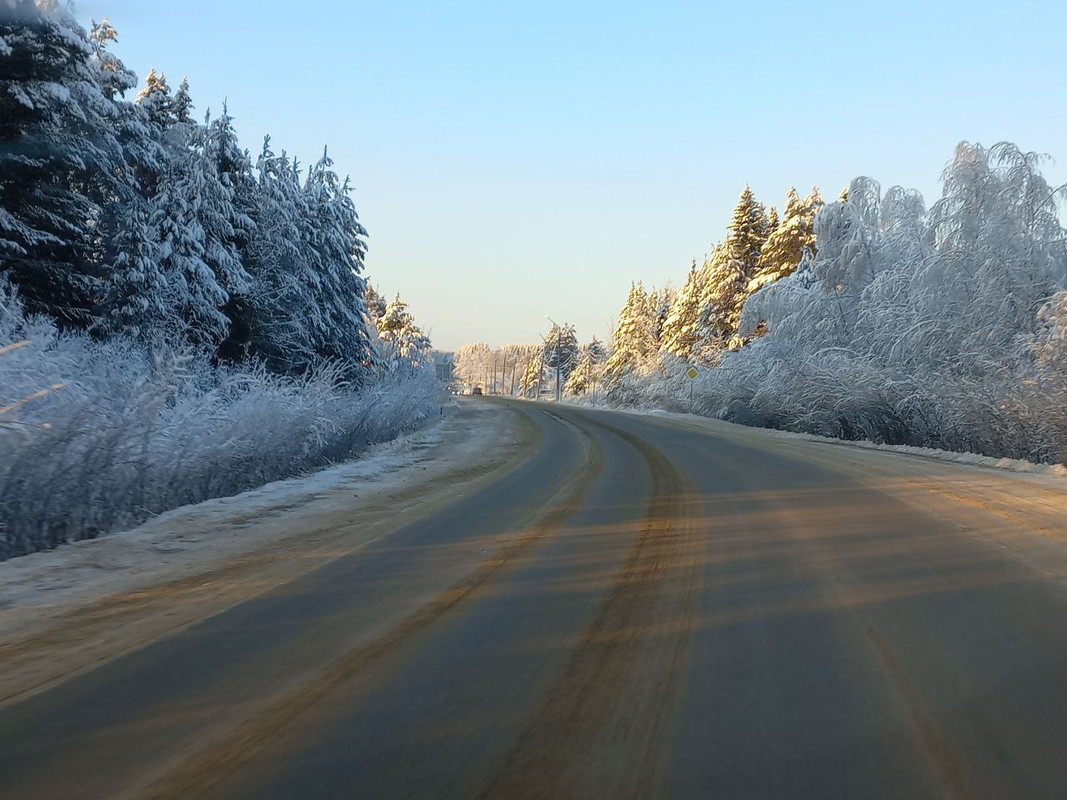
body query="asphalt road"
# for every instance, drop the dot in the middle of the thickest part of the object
(642, 608)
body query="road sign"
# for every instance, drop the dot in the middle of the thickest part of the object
(692, 373)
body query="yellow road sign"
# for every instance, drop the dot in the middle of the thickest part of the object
(692, 373)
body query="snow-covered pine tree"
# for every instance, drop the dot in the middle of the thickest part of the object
(659, 308)
(633, 340)
(399, 334)
(155, 98)
(112, 76)
(60, 161)
(335, 238)
(591, 358)
(192, 288)
(280, 302)
(561, 350)
(785, 245)
(375, 305)
(680, 328)
(533, 373)
(731, 266)
(182, 104)
(134, 303)
(229, 226)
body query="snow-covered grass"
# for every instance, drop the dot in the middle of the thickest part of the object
(99, 436)
(948, 456)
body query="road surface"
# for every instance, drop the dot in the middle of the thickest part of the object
(639, 607)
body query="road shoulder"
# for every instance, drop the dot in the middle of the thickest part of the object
(70, 609)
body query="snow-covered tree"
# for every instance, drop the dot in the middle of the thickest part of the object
(113, 77)
(398, 332)
(561, 349)
(633, 339)
(61, 161)
(680, 334)
(588, 368)
(785, 245)
(155, 98)
(335, 239)
(135, 301)
(182, 105)
(375, 305)
(727, 273)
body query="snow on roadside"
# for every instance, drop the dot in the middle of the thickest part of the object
(969, 459)
(188, 540)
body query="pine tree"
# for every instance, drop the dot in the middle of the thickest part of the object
(633, 340)
(729, 270)
(375, 305)
(182, 104)
(590, 359)
(112, 76)
(61, 161)
(135, 297)
(280, 303)
(680, 327)
(155, 99)
(561, 350)
(397, 330)
(784, 247)
(659, 308)
(193, 291)
(335, 237)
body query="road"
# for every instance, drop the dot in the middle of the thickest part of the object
(639, 607)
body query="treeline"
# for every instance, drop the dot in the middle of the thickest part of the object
(178, 319)
(532, 370)
(131, 218)
(872, 317)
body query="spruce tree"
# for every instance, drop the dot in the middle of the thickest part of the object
(60, 161)
(729, 270)
(784, 247)
(155, 98)
(112, 76)
(135, 301)
(680, 327)
(633, 340)
(397, 330)
(336, 241)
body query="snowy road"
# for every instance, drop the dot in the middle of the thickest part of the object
(638, 606)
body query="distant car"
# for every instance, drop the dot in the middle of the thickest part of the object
(477, 391)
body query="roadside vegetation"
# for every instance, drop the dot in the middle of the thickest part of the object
(178, 319)
(871, 317)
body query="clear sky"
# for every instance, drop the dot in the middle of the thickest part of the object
(518, 159)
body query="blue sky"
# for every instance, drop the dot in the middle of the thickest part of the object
(513, 160)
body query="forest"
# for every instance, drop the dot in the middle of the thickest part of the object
(179, 319)
(871, 317)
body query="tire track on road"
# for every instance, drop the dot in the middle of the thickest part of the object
(601, 728)
(213, 763)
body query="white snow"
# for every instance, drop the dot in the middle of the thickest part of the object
(189, 540)
(948, 456)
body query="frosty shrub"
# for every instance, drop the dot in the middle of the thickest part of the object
(96, 436)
